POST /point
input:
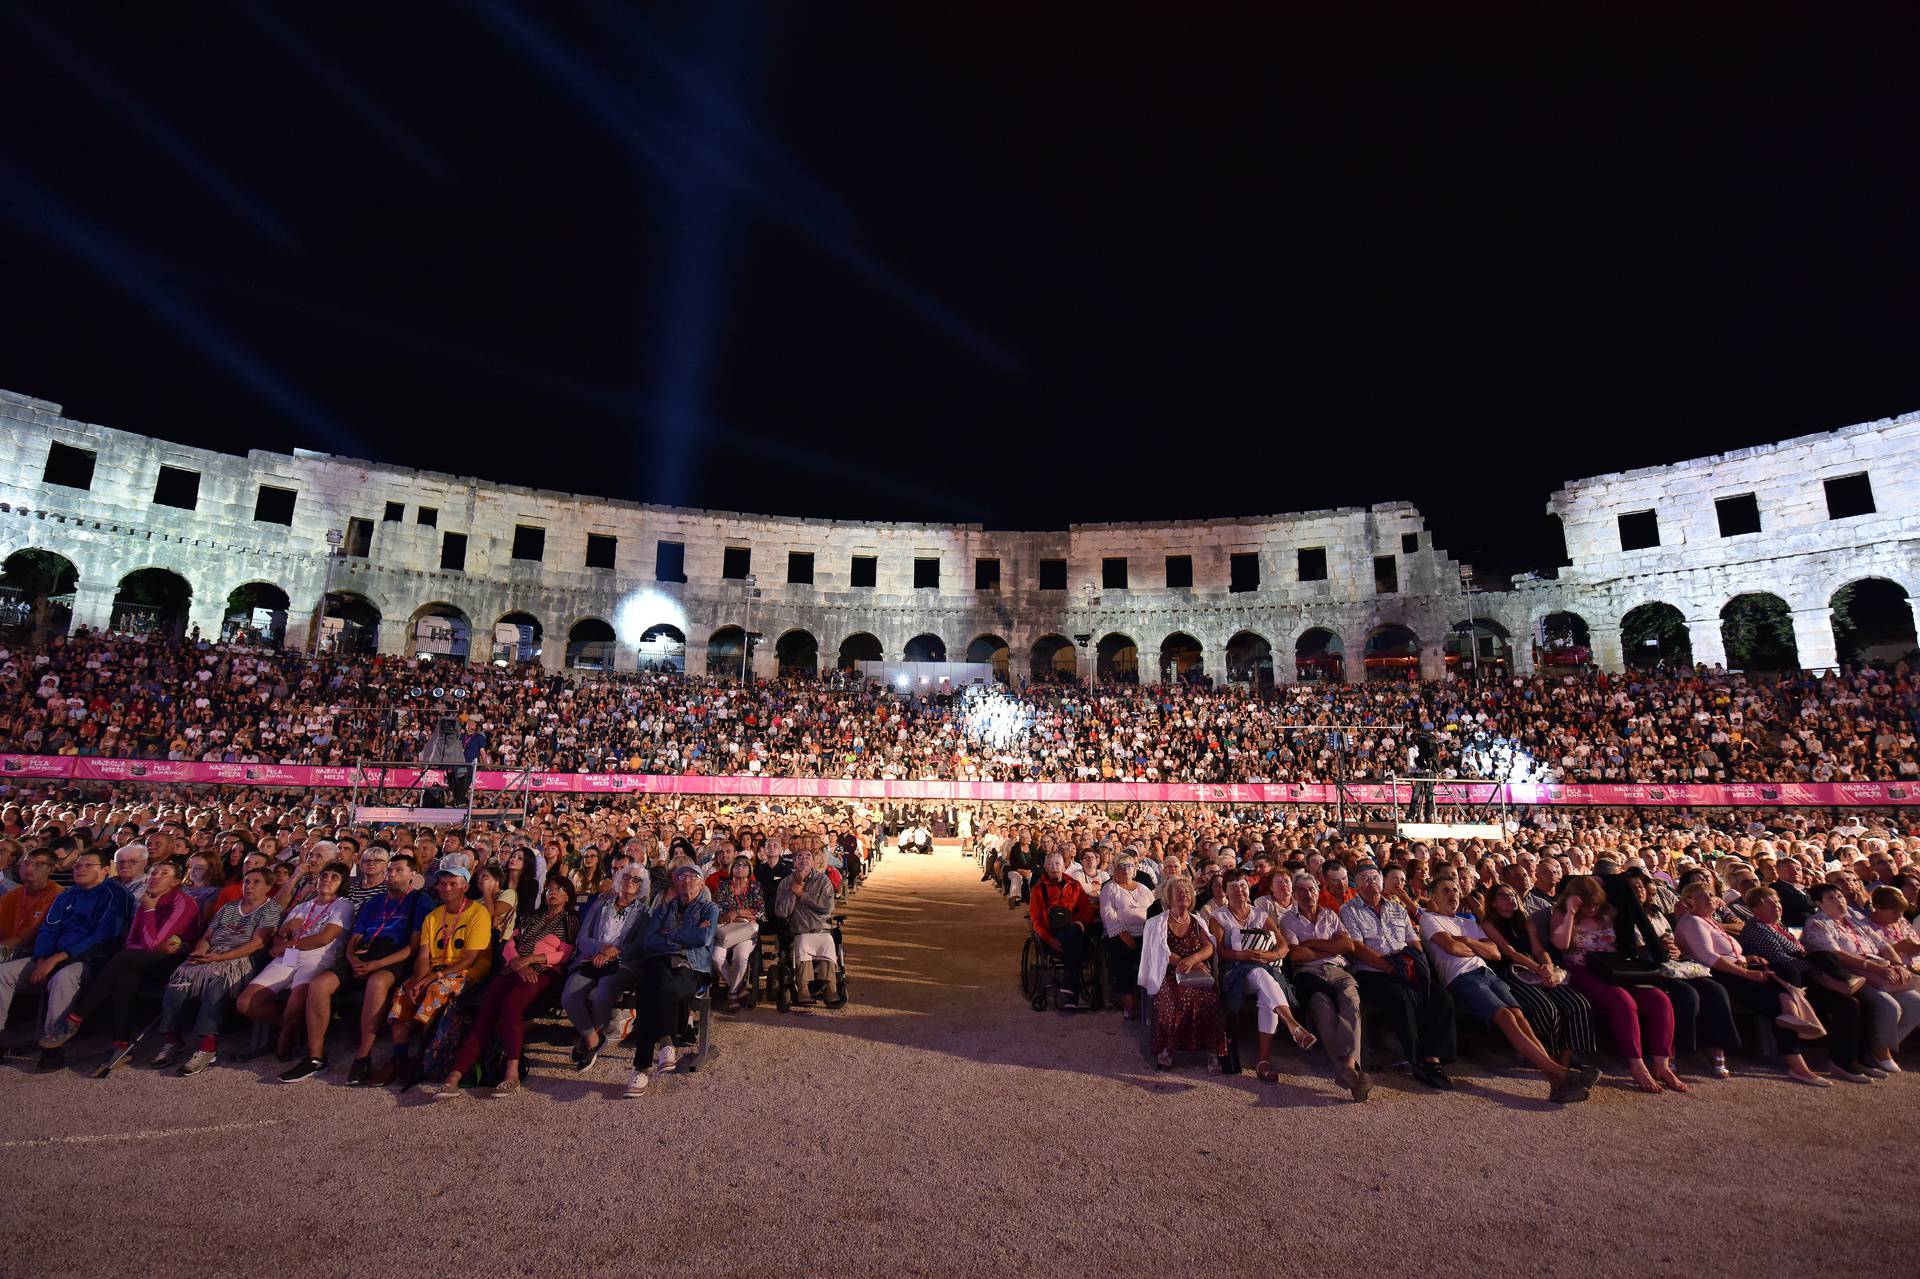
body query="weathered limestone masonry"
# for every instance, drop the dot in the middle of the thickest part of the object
(1381, 569)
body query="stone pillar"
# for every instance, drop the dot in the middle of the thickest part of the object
(1605, 642)
(1433, 659)
(1520, 649)
(207, 614)
(1216, 665)
(1709, 645)
(696, 656)
(1089, 658)
(1813, 636)
(1353, 657)
(393, 635)
(93, 605)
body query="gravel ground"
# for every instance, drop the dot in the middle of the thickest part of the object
(938, 1124)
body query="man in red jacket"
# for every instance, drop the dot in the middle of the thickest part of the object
(1067, 933)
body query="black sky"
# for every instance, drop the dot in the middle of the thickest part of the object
(1023, 264)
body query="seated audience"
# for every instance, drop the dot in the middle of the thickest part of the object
(218, 969)
(1175, 949)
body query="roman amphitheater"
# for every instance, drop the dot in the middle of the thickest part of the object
(162, 537)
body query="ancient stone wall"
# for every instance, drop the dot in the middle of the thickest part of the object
(1381, 569)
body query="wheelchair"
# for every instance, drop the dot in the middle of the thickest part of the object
(1041, 969)
(784, 975)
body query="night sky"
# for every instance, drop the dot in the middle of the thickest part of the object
(1024, 264)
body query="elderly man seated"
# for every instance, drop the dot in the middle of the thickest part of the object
(676, 955)
(1389, 963)
(1061, 912)
(81, 928)
(130, 869)
(805, 901)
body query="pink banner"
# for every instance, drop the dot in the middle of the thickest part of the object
(168, 772)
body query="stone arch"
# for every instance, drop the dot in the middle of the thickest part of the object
(257, 612)
(1478, 643)
(152, 601)
(797, 652)
(440, 630)
(36, 594)
(1054, 659)
(925, 648)
(1756, 628)
(663, 647)
(520, 647)
(1250, 659)
(1391, 652)
(861, 646)
(591, 644)
(993, 651)
(1319, 656)
(1117, 659)
(1873, 622)
(1563, 639)
(1655, 634)
(1181, 653)
(350, 623)
(727, 652)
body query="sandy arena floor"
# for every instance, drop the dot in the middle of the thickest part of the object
(937, 1124)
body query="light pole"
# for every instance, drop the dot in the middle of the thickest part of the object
(334, 538)
(1473, 623)
(746, 630)
(1092, 596)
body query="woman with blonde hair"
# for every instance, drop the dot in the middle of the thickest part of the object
(1174, 952)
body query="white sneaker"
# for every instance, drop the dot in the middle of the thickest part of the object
(663, 1060)
(637, 1085)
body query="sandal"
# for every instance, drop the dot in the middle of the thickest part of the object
(1305, 1038)
(1267, 1074)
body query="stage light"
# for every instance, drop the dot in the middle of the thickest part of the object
(644, 609)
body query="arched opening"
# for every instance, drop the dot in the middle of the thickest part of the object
(1319, 657)
(663, 648)
(1181, 658)
(151, 601)
(256, 614)
(516, 639)
(1117, 660)
(439, 630)
(1478, 644)
(1873, 623)
(797, 653)
(993, 650)
(1564, 641)
(1655, 634)
(590, 645)
(926, 648)
(1392, 653)
(36, 595)
(1250, 660)
(349, 624)
(1757, 629)
(858, 647)
(1054, 660)
(727, 653)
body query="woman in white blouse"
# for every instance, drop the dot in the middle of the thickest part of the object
(1891, 995)
(1251, 948)
(1124, 902)
(1748, 980)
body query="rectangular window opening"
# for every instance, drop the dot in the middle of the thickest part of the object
(1738, 515)
(669, 562)
(1409, 543)
(864, 573)
(69, 467)
(273, 505)
(529, 542)
(1848, 496)
(1639, 530)
(1312, 563)
(736, 563)
(1113, 573)
(396, 511)
(177, 488)
(1179, 572)
(1386, 575)
(601, 548)
(1243, 571)
(986, 575)
(1053, 575)
(453, 552)
(800, 568)
(926, 574)
(359, 543)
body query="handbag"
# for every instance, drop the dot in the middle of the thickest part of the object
(1194, 977)
(1684, 970)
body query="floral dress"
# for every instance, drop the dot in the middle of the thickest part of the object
(1186, 1018)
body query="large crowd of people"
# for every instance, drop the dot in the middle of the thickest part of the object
(235, 906)
(1686, 938)
(164, 916)
(114, 695)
